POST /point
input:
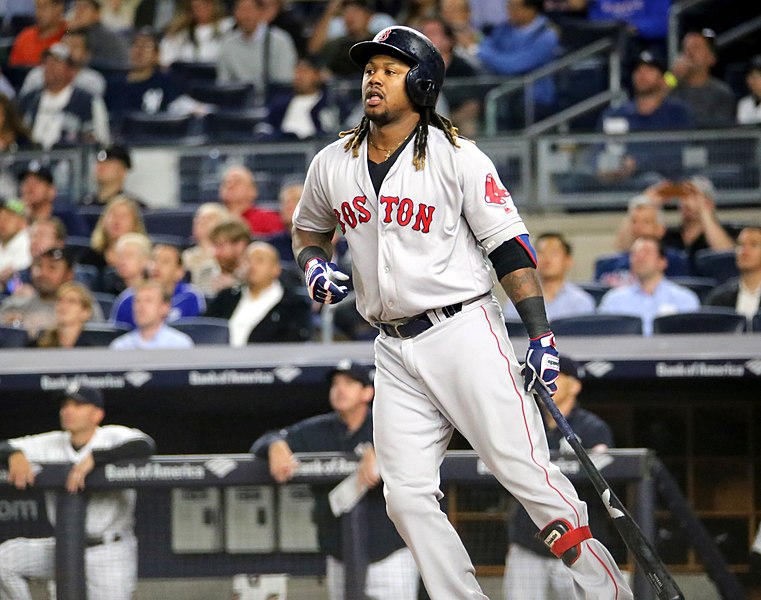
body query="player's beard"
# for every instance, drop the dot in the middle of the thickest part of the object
(380, 118)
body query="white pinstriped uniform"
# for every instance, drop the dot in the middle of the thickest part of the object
(111, 567)
(416, 247)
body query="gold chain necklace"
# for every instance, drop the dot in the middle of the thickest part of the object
(388, 151)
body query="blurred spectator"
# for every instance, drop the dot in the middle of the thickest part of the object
(644, 218)
(85, 78)
(710, 100)
(165, 267)
(14, 135)
(262, 309)
(457, 14)
(464, 101)
(32, 41)
(59, 112)
(112, 165)
(303, 111)
(276, 14)
(151, 308)
(33, 307)
(652, 295)
(356, 17)
(73, 308)
(332, 25)
(526, 41)
(647, 20)
(238, 192)
(414, 11)
(651, 109)
(119, 15)
(6, 87)
(749, 107)
(38, 192)
(485, 14)
(230, 240)
(288, 198)
(196, 32)
(132, 255)
(45, 233)
(743, 293)
(121, 215)
(256, 52)
(554, 260)
(145, 87)
(699, 227)
(107, 48)
(199, 260)
(15, 252)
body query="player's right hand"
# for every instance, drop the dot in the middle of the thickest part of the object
(542, 364)
(320, 276)
(20, 472)
(282, 463)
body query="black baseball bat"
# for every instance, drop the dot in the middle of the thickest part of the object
(647, 558)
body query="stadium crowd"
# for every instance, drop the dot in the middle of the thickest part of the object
(81, 73)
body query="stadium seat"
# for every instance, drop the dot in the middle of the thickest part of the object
(720, 265)
(105, 300)
(16, 75)
(595, 289)
(702, 286)
(189, 74)
(177, 222)
(100, 334)
(87, 275)
(707, 320)
(515, 328)
(204, 330)
(13, 337)
(756, 323)
(229, 96)
(144, 129)
(169, 240)
(598, 324)
(233, 126)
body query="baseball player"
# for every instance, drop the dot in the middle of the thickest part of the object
(391, 574)
(111, 547)
(532, 572)
(421, 209)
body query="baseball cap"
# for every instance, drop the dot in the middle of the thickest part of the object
(37, 169)
(352, 369)
(13, 205)
(650, 58)
(83, 394)
(569, 367)
(115, 152)
(60, 51)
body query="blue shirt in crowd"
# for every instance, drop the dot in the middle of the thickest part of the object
(650, 18)
(187, 301)
(668, 298)
(165, 338)
(570, 301)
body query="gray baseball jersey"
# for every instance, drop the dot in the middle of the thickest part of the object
(414, 244)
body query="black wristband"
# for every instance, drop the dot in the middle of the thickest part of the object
(508, 257)
(309, 253)
(533, 315)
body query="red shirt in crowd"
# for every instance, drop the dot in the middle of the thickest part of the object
(29, 45)
(262, 222)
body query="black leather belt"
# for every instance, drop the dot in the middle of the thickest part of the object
(92, 542)
(416, 325)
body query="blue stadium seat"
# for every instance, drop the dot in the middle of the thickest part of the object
(105, 300)
(233, 126)
(177, 221)
(756, 323)
(718, 264)
(595, 289)
(227, 96)
(702, 286)
(598, 324)
(204, 330)
(13, 337)
(87, 275)
(515, 328)
(707, 320)
(144, 129)
(100, 334)
(189, 74)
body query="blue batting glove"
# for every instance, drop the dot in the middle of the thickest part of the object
(320, 276)
(542, 363)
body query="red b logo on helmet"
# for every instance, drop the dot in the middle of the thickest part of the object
(383, 35)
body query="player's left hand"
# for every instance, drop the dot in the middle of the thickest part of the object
(542, 364)
(321, 277)
(368, 469)
(75, 481)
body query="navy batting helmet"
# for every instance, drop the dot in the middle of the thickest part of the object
(426, 76)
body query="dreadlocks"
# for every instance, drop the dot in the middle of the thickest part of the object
(428, 116)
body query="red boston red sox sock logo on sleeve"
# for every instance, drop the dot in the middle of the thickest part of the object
(494, 194)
